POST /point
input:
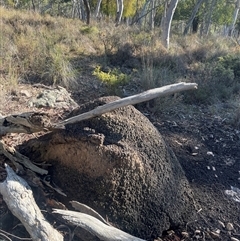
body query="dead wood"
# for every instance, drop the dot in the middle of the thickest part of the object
(17, 157)
(131, 100)
(87, 210)
(19, 198)
(28, 122)
(95, 226)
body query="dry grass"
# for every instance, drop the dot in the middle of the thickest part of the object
(50, 50)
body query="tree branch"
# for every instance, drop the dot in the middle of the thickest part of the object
(19, 198)
(95, 226)
(131, 100)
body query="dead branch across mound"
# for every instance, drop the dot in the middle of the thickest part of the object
(131, 100)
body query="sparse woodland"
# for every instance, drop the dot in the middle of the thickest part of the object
(94, 48)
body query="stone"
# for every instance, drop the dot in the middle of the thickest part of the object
(214, 234)
(234, 239)
(229, 226)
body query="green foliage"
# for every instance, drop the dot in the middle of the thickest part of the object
(222, 11)
(89, 29)
(219, 80)
(112, 78)
(109, 7)
(231, 64)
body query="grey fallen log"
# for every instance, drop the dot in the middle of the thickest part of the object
(19, 198)
(87, 210)
(131, 100)
(95, 226)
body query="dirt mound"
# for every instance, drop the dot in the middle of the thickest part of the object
(119, 165)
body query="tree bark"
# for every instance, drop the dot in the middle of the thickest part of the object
(119, 11)
(131, 100)
(95, 226)
(235, 15)
(98, 9)
(19, 198)
(152, 15)
(167, 21)
(88, 11)
(209, 18)
(194, 12)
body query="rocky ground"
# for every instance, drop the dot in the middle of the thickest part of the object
(205, 142)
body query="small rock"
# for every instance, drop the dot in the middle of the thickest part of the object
(214, 234)
(25, 93)
(170, 232)
(234, 239)
(230, 227)
(209, 153)
(185, 234)
(221, 223)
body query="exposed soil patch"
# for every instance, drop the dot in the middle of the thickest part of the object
(208, 150)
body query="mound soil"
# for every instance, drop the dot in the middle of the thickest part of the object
(119, 165)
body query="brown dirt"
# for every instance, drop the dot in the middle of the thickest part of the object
(207, 148)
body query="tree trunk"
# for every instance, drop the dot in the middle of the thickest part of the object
(119, 11)
(98, 9)
(88, 11)
(194, 12)
(235, 15)
(209, 18)
(166, 22)
(152, 15)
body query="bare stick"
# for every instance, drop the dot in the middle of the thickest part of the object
(95, 226)
(28, 122)
(19, 198)
(17, 157)
(131, 100)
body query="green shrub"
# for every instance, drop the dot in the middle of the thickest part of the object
(231, 63)
(113, 78)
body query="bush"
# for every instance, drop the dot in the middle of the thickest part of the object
(113, 78)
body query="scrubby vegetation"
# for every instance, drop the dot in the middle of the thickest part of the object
(55, 50)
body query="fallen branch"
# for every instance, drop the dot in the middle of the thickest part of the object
(19, 198)
(131, 100)
(87, 210)
(95, 226)
(28, 122)
(17, 157)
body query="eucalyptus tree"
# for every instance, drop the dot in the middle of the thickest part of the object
(192, 17)
(97, 11)
(235, 15)
(119, 12)
(170, 7)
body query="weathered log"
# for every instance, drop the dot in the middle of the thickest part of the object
(131, 100)
(87, 210)
(28, 122)
(17, 157)
(95, 226)
(19, 198)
